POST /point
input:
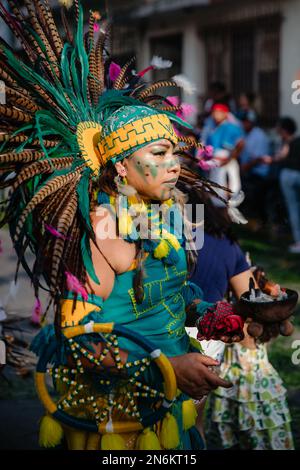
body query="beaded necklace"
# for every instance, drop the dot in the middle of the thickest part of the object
(159, 227)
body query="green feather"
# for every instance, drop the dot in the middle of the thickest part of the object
(87, 258)
(82, 56)
(84, 198)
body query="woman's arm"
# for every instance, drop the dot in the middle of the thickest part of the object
(240, 284)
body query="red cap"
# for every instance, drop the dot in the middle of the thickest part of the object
(220, 107)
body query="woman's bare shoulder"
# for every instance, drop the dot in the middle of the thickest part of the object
(116, 250)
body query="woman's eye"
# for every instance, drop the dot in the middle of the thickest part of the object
(162, 153)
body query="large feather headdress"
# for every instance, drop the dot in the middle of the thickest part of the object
(59, 95)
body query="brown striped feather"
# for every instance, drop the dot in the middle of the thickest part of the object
(16, 98)
(53, 29)
(92, 62)
(21, 157)
(65, 221)
(10, 112)
(51, 187)
(155, 86)
(121, 80)
(38, 29)
(100, 68)
(39, 167)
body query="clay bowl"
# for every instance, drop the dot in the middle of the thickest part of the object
(268, 312)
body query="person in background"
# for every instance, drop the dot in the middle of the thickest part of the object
(290, 179)
(289, 159)
(253, 414)
(254, 172)
(246, 102)
(227, 141)
(217, 93)
(220, 263)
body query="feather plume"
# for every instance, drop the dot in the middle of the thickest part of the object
(237, 199)
(55, 232)
(64, 223)
(121, 80)
(160, 63)
(74, 285)
(152, 88)
(36, 314)
(114, 71)
(156, 63)
(183, 82)
(236, 216)
(52, 186)
(232, 206)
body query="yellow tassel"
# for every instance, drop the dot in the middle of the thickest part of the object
(171, 238)
(125, 223)
(51, 432)
(169, 435)
(148, 440)
(161, 250)
(112, 441)
(189, 414)
(169, 202)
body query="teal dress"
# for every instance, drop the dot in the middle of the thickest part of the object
(160, 318)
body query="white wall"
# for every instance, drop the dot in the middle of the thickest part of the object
(290, 58)
(194, 63)
(193, 56)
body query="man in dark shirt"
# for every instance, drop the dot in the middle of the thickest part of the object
(290, 178)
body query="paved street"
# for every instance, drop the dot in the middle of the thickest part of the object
(20, 409)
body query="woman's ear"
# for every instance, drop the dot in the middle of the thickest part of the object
(121, 170)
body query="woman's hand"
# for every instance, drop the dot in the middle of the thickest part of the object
(194, 376)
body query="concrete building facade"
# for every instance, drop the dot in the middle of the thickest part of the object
(250, 45)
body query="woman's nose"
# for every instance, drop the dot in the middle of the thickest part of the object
(173, 165)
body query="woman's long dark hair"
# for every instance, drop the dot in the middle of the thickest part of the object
(216, 220)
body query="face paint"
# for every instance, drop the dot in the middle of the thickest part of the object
(153, 170)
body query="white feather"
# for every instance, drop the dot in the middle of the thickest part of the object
(124, 189)
(12, 292)
(183, 82)
(160, 63)
(236, 216)
(13, 289)
(3, 315)
(236, 200)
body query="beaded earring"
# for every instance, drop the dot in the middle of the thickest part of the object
(123, 187)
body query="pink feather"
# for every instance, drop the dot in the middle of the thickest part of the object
(114, 71)
(96, 28)
(207, 165)
(174, 100)
(147, 69)
(187, 110)
(36, 312)
(206, 153)
(75, 285)
(54, 232)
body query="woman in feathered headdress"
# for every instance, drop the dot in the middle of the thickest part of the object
(86, 148)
